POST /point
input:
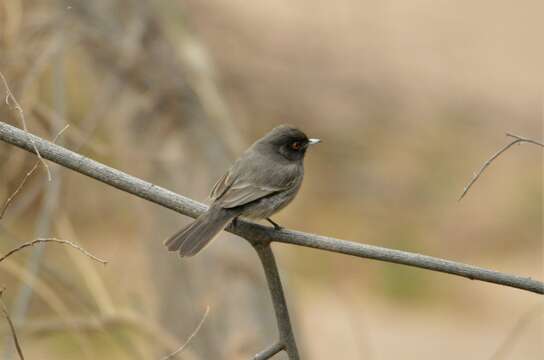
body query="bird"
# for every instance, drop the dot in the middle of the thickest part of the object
(261, 182)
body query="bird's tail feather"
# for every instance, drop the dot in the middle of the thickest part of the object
(194, 237)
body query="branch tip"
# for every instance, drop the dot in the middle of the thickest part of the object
(517, 140)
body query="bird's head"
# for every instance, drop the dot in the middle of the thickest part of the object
(288, 141)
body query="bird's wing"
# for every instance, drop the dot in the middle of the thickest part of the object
(250, 178)
(222, 185)
(243, 193)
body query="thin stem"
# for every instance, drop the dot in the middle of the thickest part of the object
(16, 342)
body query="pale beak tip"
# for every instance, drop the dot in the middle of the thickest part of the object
(314, 141)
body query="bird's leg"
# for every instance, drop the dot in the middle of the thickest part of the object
(276, 226)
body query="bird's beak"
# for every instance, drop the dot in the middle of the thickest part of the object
(313, 141)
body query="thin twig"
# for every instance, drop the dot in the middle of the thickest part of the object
(18, 189)
(54, 240)
(524, 139)
(11, 327)
(197, 329)
(517, 140)
(27, 176)
(11, 97)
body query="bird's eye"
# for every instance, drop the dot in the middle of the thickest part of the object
(296, 145)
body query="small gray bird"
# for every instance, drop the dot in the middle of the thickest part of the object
(264, 179)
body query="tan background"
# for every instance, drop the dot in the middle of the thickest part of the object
(409, 97)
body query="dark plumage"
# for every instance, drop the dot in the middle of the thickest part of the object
(264, 179)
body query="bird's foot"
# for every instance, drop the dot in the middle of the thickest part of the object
(276, 226)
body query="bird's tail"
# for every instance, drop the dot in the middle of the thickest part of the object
(194, 237)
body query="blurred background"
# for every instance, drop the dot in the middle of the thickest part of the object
(410, 99)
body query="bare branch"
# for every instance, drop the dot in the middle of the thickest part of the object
(197, 329)
(10, 97)
(53, 240)
(252, 232)
(517, 140)
(11, 327)
(287, 338)
(27, 176)
(269, 352)
(259, 236)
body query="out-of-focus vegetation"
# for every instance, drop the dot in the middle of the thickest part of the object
(409, 97)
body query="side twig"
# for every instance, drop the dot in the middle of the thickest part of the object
(517, 140)
(197, 329)
(11, 327)
(269, 352)
(52, 240)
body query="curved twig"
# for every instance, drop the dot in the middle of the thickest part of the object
(53, 240)
(517, 140)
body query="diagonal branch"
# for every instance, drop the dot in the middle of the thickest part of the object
(476, 176)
